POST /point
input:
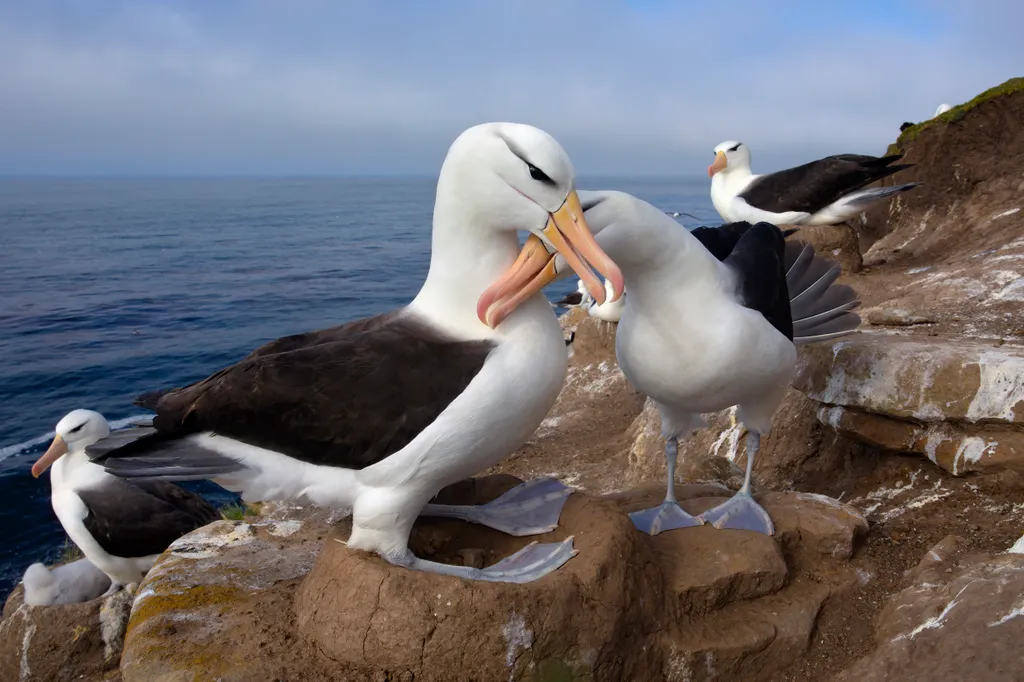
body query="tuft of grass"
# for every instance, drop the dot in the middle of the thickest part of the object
(69, 552)
(239, 511)
(955, 114)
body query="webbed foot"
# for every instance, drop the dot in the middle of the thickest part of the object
(740, 512)
(531, 508)
(666, 516)
(528, 564)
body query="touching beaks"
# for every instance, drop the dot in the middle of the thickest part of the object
(567, 233)
(58, 448)
(719, 164)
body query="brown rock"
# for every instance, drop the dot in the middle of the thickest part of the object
(959, 403)
(939, 558)
(234, 601)
(970, 163)
(907, 378)
(836, 242)
(967, 627)
(745, 566)
(67, 642)
(391, 619)
(217, 604)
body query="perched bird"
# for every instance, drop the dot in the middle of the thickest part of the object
(70, 583)
(580, 297)
(943, 108)
(712, 320)
(121, 527)
(609, 311)
(823, 192)
(377, 415)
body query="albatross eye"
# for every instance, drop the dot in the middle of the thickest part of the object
(539, 175)
(734, 148)
(77, 428)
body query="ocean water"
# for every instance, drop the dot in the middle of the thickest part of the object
(112, 287)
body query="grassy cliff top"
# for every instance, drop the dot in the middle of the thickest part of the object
(954, 114)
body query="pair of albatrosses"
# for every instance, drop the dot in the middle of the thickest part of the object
(377, 415)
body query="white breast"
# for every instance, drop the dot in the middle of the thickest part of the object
(699, 351)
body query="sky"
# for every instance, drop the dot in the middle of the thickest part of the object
(339, 87)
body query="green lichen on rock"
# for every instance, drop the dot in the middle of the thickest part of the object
(187, 601)
(955, 114)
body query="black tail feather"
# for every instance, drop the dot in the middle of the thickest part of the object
(820, 308)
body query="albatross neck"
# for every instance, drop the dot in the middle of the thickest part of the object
(466, 257)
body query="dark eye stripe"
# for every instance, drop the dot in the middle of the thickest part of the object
(77, 428)
(539, 175)
(735, 148)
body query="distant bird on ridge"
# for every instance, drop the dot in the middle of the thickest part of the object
(823, 192)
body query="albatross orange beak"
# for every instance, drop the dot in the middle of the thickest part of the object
(720, 163)
(58, 448)
(568, 234)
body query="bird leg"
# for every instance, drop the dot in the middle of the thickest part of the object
(741, 511)
(531, 508)
(528, 564)
(668, 515)
(114, 588)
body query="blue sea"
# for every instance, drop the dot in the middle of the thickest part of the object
(113, 287)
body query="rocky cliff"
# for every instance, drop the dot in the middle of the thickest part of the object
(894, 472)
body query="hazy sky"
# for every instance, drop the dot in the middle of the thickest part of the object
(377, 86)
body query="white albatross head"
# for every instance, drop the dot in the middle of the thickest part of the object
(511, 177)
(730, 156)
(76, 431)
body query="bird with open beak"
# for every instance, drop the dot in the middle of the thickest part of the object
(565, 233)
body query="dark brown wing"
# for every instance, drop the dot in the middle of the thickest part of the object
(813, 186)
(151, 399)
(142, 519)
(345, 397)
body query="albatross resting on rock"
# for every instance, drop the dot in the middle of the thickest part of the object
(377, 415)
(121, 527)
(712, 320)
(822, 192)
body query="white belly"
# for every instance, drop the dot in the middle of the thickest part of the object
(705, 358)
(75, 472)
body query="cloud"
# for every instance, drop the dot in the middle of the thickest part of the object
(381, 87)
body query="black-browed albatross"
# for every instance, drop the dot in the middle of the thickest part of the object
(712, 320)
(120, 526)
(378, 415)
(823, 192)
